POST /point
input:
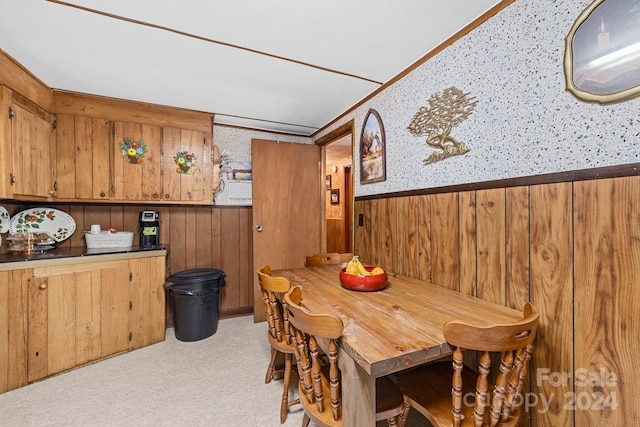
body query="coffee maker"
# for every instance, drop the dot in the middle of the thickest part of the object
(149, 229)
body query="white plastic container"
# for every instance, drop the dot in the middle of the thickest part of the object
(119, 239)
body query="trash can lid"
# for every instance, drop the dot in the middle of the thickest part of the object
(198, 276)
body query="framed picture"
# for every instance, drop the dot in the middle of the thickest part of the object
(373, 166)
(602, 50)
(335, 196)
(327, 182)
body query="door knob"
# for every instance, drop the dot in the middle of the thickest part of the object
(258, 228)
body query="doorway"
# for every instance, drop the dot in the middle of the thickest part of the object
(339, 193)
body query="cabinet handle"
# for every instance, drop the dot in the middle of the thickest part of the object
(102, 194)
(155, 195)
(43, 286)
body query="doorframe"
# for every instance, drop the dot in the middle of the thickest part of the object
(340, 132)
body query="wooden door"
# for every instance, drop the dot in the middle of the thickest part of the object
(191, 180)
(114, 306)
(58, 293)
(13, 329)
(31, 153)
(146, 288)
(66, 315)
(51, 324)
(287, 213)
(137, 176)
(6, 190)
(83, 166)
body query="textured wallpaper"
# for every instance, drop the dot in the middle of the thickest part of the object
(525, 122)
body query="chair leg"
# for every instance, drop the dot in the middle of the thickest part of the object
(404, 415)
(284, 405)
(272, 362)
(305, 420)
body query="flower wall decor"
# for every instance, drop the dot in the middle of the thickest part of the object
(133, 150)
(185, 161)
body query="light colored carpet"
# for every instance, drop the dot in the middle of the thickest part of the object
(218, 381)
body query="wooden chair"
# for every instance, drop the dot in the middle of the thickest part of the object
(279, 333)
(446, 397)
(327, 259)
(319, 384)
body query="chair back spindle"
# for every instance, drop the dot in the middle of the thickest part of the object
(492, 404)
(317, 383)
(279, 333)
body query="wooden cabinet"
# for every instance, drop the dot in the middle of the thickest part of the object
(98, 159)
(95, 134)
(191, 180)
(55, 318)
(136, 169)
(83, 157)
(26, 149)
(13, 329)
(5, 144)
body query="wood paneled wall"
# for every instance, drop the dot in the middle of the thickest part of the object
(198, 237)
(335, 235)
(572, 248)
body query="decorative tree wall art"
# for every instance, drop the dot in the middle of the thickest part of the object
(373, 167)
(133, 150)
(445, 111)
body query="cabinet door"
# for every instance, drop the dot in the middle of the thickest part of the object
(51, 325)
(114, 307)
(77, 313)
(13, 329)
(189, 181)
(147, 321)
(31, 153)
(6, 192)
(136, 169)
(83, 166)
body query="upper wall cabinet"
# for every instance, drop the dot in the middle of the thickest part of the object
(121, 151)
(6, 192)
(31, 174)
(136, 162)
(83, 150)
(101, 160)
(186, 166)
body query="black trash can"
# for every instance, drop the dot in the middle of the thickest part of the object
(195, 299)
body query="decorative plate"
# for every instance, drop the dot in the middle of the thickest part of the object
(57, 224)
(4, 220)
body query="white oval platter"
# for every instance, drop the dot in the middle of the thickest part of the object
(57, 224)
(4, 219)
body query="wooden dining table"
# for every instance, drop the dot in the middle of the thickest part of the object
(389, 330)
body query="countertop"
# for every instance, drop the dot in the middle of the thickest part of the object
(71, 254)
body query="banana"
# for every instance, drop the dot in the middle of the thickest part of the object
(352, 267)
(361, 270)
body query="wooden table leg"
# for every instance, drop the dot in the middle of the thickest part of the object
(358, 394)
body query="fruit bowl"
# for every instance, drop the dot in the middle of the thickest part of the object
(364, 283)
